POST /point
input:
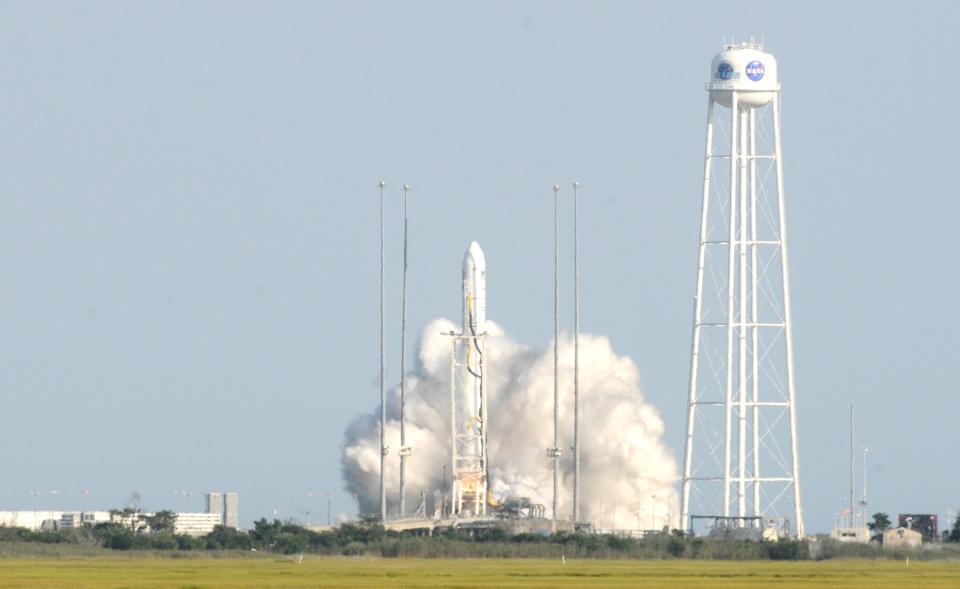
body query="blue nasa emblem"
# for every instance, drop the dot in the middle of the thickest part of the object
(725, 71)
(755, 71)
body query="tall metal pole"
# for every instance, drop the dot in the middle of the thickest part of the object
(576, 352)
(852, 467)
(383, 372)
(863, 499)
(404, 450)
(653, 512)
(788, 320)
(556, 352)
(697, 314)
(638, 514)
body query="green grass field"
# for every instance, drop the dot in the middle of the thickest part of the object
(127, 572)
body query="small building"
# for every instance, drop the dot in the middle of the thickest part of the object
(902, 538)
(196, 524)
(32, 520)
(77, 519)
(851, 535)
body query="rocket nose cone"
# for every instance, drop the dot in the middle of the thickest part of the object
(474, 252)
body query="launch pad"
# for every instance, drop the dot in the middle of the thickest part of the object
(476, 525)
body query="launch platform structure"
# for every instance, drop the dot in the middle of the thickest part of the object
(740, 453)
(468, 394)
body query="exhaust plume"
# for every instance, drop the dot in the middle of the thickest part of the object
(627, 472)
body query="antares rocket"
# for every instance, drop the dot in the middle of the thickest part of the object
(474, 314)
(474, 290)
(468, 411)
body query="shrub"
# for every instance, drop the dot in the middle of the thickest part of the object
(676, 547)
(119, 541)
(390, 548)
(786, 550)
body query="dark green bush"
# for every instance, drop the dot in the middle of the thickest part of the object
(676, 547)
(787, 550)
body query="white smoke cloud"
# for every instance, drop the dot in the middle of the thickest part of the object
(623, 458)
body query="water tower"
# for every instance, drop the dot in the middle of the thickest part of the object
(740, 455)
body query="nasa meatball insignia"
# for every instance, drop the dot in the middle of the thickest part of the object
(755, 71)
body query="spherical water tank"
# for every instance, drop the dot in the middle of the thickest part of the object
(746, 69)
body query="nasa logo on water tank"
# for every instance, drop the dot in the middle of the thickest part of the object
(755, 71)
(726, 71)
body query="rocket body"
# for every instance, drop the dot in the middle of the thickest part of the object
(474, 290)
(474, 322)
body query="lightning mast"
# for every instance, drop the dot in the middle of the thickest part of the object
(555, 451)
(576, 352)
(405, 450)
(383, 373)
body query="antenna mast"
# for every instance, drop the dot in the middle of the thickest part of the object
(404, 449)
(852, 468)
(576, 353)
(555, 451)
(383, 373)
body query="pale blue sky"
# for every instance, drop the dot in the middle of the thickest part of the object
(188, 223)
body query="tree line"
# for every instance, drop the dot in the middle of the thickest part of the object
(371, 539)
(132, 531)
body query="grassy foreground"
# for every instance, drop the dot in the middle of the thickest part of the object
(274, 572)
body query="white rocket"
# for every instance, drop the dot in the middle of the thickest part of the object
(474, 319)
(474, 290)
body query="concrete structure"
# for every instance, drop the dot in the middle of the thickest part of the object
(196, 524)
(902, 538)
(52, 520)
(31, 520)
(851, 535)
(226, 505)
(741, 408)
(213, 502)
(76, 519)
(231, 510)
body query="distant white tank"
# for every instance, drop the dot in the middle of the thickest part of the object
(746, 69)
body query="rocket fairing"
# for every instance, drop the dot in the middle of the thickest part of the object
(474, 290)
